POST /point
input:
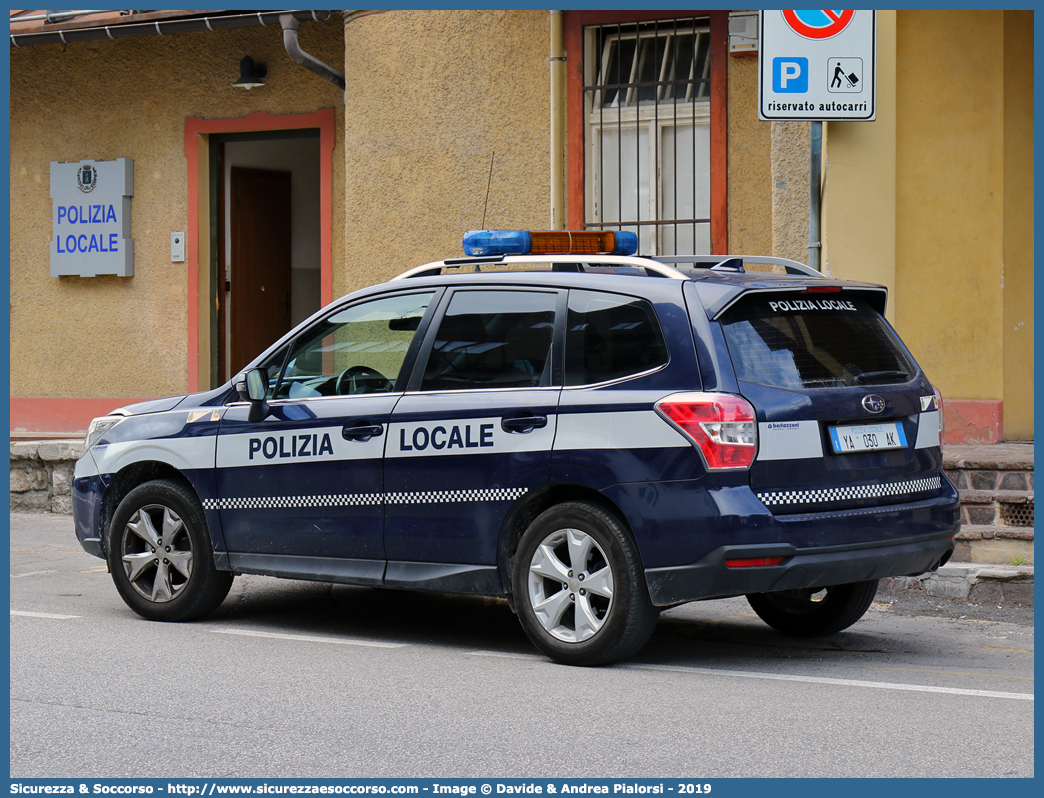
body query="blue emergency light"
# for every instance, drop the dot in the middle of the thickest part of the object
(549, 242)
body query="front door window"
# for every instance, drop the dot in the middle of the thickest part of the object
(359, 350)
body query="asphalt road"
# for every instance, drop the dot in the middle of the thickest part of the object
(295, 679)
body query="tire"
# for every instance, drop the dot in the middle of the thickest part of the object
(165, 518)
(811, 612)
(579, 586)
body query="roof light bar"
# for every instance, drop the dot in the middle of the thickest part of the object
(549, 242)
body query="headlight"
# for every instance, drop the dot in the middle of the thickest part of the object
(98, 427)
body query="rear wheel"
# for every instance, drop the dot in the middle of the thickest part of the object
(160, 555)
(580, 588)
(814, 612)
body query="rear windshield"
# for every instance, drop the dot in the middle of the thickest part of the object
(801, 342)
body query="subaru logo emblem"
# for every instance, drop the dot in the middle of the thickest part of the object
(872, 403)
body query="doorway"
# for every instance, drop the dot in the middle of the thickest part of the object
(207, 353)
(267, 242)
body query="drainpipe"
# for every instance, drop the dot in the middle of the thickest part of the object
(299, 56)
(557, 60)
(815, 245)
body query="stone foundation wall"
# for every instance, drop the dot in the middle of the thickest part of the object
(41, 475)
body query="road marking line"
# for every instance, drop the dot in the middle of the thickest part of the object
(104, 570)
(309, 638)
(33, 573)
(936, 672)
(500, 654)
(782, 677)
(44, 615)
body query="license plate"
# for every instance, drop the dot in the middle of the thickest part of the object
(867, 438)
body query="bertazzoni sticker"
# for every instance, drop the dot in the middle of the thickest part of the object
(789, 440)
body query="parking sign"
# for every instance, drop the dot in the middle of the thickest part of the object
(817, 65)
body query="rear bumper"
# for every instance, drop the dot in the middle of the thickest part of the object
(818, 566)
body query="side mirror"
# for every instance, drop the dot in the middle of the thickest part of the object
(257, 385)
(254, 389)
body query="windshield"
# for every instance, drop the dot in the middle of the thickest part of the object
(812, 342)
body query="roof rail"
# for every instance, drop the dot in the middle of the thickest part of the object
(791, 266)
(652, 267)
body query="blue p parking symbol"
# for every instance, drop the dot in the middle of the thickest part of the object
(790, 75)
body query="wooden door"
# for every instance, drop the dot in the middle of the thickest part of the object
(260, 268)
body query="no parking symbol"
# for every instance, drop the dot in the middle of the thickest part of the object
(818, 25)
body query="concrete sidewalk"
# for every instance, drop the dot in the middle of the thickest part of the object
(978, 582)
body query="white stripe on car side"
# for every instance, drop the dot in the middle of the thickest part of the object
(640, 429)
(182, 453)
(634, 429)
(85, 467)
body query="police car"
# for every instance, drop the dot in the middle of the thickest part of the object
(595, 436)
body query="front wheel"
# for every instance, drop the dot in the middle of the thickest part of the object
(160, 556)
(814, 612)
(580, 588)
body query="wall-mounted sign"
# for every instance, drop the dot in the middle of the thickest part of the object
(91, 218)
(817, 65)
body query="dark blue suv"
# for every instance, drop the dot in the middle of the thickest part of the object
(595, 436)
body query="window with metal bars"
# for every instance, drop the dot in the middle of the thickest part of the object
(647, 133)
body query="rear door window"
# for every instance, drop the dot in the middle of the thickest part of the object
(610, 336)
(820, 342)
(493, 339)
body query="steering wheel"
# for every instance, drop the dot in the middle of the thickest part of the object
(352, 375)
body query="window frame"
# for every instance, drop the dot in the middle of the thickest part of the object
(574, 24)
(409, 360)
(413, 385)
(623, 377)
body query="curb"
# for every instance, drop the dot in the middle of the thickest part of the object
(987, 582)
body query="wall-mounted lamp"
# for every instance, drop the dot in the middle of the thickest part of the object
(250, 74)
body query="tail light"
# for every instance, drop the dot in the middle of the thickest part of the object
(721, 425)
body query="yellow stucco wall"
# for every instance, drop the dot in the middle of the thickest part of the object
(750, 153)
(422, 124)
(950, 197)
(127, 337)
(1018, 225)
(859, 183)
(768, 175)
(790, 167)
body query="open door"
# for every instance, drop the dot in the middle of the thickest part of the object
(259, 293)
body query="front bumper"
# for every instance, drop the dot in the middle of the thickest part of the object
(88, 488)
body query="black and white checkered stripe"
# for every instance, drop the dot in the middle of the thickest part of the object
(366, 499)
(849, 492)
(449, 496)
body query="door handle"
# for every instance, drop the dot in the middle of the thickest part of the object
(363, 431)
(526, 423)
